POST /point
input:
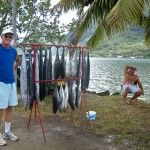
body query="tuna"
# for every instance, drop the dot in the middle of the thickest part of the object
(30, 81)
(41, 76)
(45, 88)
(61, 98)
(86, 72)
(67, 65)
(79, 66)
(72, 94)
(62, 65)
(49, 69)
(37, 86)
(74, 64)
(56, 101)
(66, 96)
(57, 66)
(78, 94)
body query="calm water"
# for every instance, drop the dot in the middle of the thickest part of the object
(107, 74)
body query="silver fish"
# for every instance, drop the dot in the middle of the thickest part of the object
(62, 64)
(45, 89)
(30, 81)
(41, 76)
(74, 64)
(72, 95)
(49, 70)
(56, 101)
(23, 81)
(57, 66)
(62, 98)
(37, 86)
(66, 96)
(78, 94)
(67, 65)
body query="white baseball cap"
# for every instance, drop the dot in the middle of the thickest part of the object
(7, 31)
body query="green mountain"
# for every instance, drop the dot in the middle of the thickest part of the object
(127, 44)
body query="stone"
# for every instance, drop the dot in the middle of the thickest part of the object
(105, 93)
(91, 92)
(116, 93)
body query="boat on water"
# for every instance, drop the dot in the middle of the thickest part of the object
(132, 57)
(119, 56)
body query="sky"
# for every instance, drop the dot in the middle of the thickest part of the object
(66, 17)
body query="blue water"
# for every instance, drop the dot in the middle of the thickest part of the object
(107, 74)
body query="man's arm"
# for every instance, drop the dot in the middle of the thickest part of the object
(140, 85)
(127, 68)
(17, 62)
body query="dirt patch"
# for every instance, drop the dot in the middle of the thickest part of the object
(59, 133)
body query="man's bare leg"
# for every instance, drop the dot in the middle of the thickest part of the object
(137, 94)
(125, 95)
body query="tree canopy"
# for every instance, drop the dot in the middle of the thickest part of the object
(109, 15)
(34, 20)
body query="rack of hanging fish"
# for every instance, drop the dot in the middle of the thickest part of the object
(65, 70)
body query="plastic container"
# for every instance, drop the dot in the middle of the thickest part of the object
(91, 115)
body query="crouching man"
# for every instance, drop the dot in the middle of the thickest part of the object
(129, 85)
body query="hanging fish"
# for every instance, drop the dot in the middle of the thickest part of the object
(84, 71)
(56, 100)
(62, 65)
(88, 70)
(37, 86)
(30, 81)
(45, 89)
(61, 98)
(79, 66)
(67, 65)
(72, 94)
(41, 75)
(49, 69)
(23, 81)
(66, 96)
(74, 64)
(78, 94)
(57, 65)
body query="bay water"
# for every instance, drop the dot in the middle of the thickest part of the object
(107, 74)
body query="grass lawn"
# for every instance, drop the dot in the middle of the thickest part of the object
(126, 127)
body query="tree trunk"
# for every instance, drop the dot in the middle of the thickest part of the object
(14, 6)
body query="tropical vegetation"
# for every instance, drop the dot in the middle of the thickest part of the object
(33, 21)
(129, 43)
(111, 16)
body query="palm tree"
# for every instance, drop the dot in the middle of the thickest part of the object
(109, 15)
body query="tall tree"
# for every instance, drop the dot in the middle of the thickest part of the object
(33, 21)
(14, 6)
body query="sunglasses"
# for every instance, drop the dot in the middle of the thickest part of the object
(7, 36)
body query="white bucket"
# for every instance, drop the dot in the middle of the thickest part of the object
(91, 115)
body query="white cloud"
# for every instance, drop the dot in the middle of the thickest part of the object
(53, 2)
(65, 17)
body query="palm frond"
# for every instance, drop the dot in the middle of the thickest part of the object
(147, 32)
(91, 16)
(66, 5)
(97, 37)
(123, 13)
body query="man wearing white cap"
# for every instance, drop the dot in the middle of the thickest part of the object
(8, 92)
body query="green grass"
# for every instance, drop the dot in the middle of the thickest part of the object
(129, 125)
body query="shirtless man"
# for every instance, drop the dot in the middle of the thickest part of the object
(128, 84)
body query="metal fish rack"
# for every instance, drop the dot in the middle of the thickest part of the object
(35, 47)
